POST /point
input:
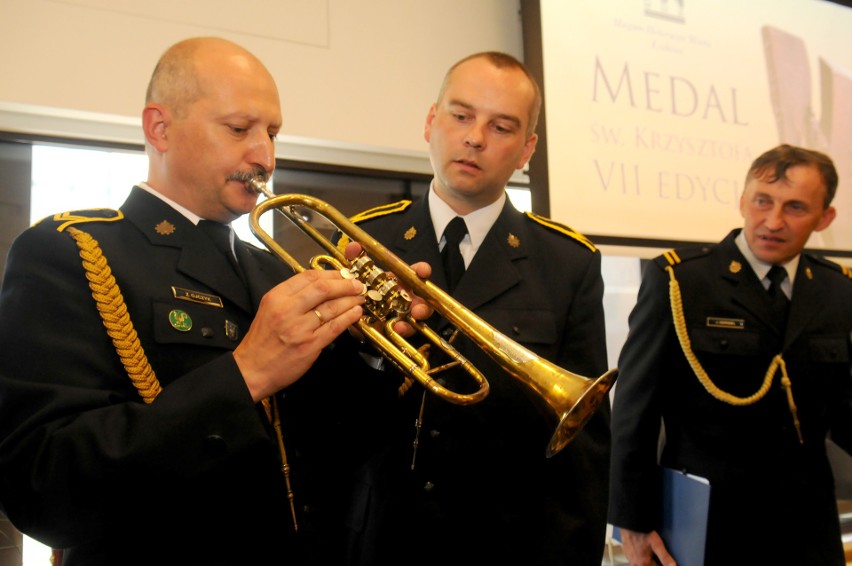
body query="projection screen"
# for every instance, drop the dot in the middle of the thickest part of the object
(656, 108)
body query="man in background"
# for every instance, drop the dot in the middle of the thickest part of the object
(748, 372)
(143, 351)
(471, 484)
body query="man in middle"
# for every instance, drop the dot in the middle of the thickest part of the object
(471, 484)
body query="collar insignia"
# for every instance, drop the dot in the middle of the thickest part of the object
(513, 241)
(808, 273)
(165, 228)
(410, 233)
(735, 267)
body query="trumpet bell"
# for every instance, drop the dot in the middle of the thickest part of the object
(573, 400)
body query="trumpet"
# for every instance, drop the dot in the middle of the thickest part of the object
(566, 398)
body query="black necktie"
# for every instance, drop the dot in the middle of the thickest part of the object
(779, 300)
(220, 234)
(451, 256)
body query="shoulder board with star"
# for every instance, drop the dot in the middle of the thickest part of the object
(832, 265)
(70, 218)
(561, 228)
(382, 210)
(674, 257)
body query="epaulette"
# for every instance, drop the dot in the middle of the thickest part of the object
(382, 210)
(66, 219)
(375, 212)
(562, 229)
(832, 265)
(676, 256)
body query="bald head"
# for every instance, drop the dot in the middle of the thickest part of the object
(211, 115)
(182, 74)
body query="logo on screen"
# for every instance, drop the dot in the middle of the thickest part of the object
(670, 10)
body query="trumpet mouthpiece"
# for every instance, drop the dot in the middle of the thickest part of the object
(258, 185)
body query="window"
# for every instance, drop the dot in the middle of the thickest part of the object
(65, 178)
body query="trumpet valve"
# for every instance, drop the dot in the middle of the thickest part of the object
(385, 296)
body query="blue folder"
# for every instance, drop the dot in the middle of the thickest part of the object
(686, 503)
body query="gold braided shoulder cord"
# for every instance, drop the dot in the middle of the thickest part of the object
(704, 379)
(117, 321)
(113, 311)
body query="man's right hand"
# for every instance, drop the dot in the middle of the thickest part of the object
(640, 549)
(295, 321)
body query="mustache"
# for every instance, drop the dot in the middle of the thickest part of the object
(246, 176)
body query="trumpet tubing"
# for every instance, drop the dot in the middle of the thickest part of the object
(566, 398)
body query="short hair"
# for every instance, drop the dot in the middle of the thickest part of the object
(501, 61)
(773, 165)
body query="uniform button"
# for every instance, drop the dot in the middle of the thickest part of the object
(447, 332)
(723, 344)
(207, 332)
(428, 486)
(434, 433)
(516, 329)
(215, 444)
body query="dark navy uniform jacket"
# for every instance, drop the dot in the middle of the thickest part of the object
(482, 490)
(195, 476)
(772, 497)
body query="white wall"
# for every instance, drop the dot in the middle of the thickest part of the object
(360, 72)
